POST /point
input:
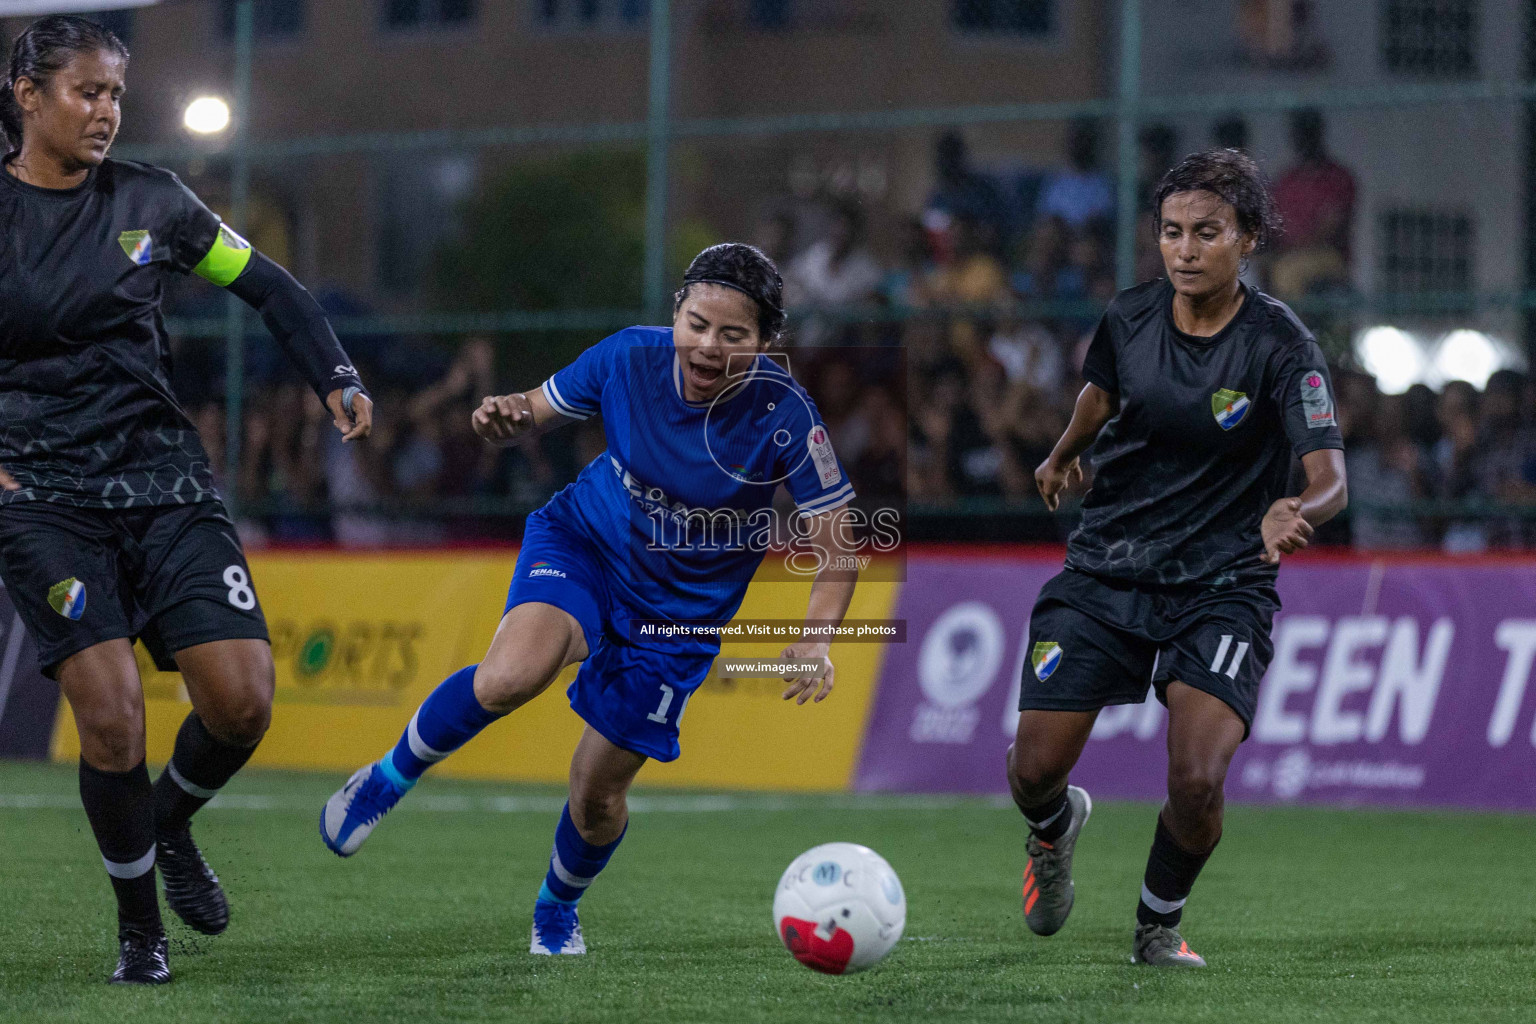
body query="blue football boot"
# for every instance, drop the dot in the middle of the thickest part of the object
(351, 813)
(556, 930)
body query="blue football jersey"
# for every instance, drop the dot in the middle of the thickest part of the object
(680, 505)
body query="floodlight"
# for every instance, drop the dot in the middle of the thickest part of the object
(1468, 355)
(206, 115)
(1393, 356)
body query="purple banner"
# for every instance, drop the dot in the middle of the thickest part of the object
(1395, 683)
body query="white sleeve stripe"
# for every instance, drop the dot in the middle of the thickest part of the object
(845, 490)
(560, 405)
(552, 391)
(811, 513)
(828, 502)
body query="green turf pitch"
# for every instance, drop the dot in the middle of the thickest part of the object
(1304, 914)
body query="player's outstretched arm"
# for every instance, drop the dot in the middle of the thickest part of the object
(1289, 523)
(1061, 469)
(831, 536)
(7, 482)
(299, 325)
(505, 420)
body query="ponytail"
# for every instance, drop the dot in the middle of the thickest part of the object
(10, 117)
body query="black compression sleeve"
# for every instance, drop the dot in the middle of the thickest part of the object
(298, 323)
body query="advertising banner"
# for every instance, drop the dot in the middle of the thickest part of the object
(1394, 683)
(360, 640)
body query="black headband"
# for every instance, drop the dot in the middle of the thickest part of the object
(732, 284)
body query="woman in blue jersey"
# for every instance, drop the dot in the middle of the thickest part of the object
(665, 527)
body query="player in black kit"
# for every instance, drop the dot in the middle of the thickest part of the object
(110, 527)
(1200, 391)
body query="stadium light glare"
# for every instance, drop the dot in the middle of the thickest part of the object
(1468, 355)
(1393, 356)
(206, 115)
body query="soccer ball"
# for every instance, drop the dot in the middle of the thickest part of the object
(839, 908)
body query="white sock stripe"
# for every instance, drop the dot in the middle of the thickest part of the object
(419, 746)
(1221, 652)
(191, 788)
(1237, 660)
(562, 873)
(1038, 825)
(133, 869)
(1161, 906)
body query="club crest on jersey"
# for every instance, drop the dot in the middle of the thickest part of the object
(67, 597)
(139, 246)
(1230, 408)
(1046, 657)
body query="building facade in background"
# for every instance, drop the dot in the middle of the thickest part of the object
(367, 224)
(1439, 196)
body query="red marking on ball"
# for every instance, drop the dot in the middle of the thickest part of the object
(829, 956)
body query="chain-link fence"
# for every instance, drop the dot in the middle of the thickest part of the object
(477, 190)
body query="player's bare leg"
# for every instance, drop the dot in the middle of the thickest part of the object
(532, 644)
(102, 686)
(1045, 748)
(1203, 734)
(601, 775)
(106, 697)
(589, 832)
(230, 683)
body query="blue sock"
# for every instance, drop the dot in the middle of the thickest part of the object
(575, 862)
(449, 718)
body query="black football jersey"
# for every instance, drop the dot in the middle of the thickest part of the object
(1204, 439)
(87, 415)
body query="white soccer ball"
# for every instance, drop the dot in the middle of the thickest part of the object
(839, 908)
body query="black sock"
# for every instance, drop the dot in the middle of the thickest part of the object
(198, 768)
(1049, 821)
(1171, 874)
(121, 809)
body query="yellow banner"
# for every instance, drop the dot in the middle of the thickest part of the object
(360, 640)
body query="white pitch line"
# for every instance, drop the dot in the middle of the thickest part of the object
(446, 804)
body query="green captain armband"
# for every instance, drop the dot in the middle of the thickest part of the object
(227, 258)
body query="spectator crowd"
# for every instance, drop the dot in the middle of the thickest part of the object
(943, 351)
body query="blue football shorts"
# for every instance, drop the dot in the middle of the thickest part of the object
(633, 696)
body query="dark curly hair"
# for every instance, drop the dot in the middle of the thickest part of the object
(747, 269)
(43, 49)
(1233, 176)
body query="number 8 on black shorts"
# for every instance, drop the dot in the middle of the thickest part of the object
(174, 576)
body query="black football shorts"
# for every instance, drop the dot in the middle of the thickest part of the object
(172, 575)
(1095, 641)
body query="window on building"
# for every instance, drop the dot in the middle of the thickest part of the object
(412, 14)
(1024, 18)
(584, 14)
(770, 15)
(1426, 251)
(119, 23)
(1429, 37)
(273, 19)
